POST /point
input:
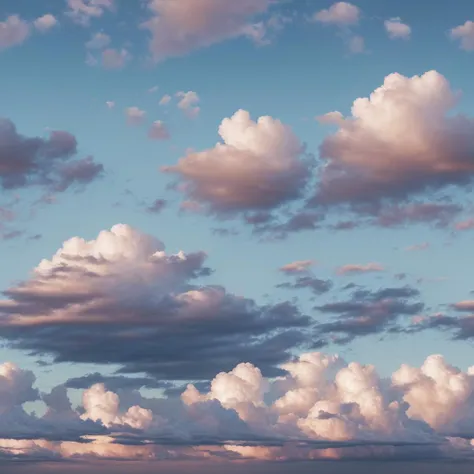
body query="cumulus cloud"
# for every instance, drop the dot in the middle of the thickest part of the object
(340, 14)
(135, 115)
(465, 35)
(13, 32)
(46, 162)
(45, 23)
(110, 104)
(322, 407)
(98, 41)
(188, 103)
(140, 308)
(259, 166)
(82, 11)
(176, 28)
(396, 29)
(365, 160)
(165, 99)
(158, 131)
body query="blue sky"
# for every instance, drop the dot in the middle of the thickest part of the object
(306, 70)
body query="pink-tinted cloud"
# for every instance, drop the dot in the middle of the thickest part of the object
(158, 131)
(465, 225)
(98, 41)
(396, 29)
(340, 14)
(47, 162)
(259, 166)
(177, 28)
(188, 103)
(323, 407)
(367, 161)
(125, 282)
(135, 115)
(465, 35)
(13, 32)
(114, 58)
(45, 23)
(359, 268)
(299, 266)
(82, 11)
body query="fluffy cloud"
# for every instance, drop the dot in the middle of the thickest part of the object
(13, 31)
(165, 99)
(177, 28)
(98, 41)
(465, 35)
(135, 115)
(396, 29)
(321, 408)
(340, 13)
(45, 23)
(367, 162)
(188, 103)
(82, 11)
(141, 309)
(259, 166)
(158, 131)
(36, 161)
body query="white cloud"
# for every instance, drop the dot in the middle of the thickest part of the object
(396, 29)
(188, 103)
(340, 13)
(465, 34)
(45, 22)
(165, 99)
(13, 32)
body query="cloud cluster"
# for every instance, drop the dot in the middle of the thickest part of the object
(177, 28)
(369, 312)
(35, 161)
(321, 408)
(259, 166)
(367, 162)
(340, 14)
(82, 11)
(120, 299)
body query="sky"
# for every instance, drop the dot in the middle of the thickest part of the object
(236, 235)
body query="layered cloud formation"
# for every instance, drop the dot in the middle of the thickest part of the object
(321, 408)
(121, 299)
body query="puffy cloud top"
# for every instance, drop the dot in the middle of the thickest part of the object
(259, 165)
